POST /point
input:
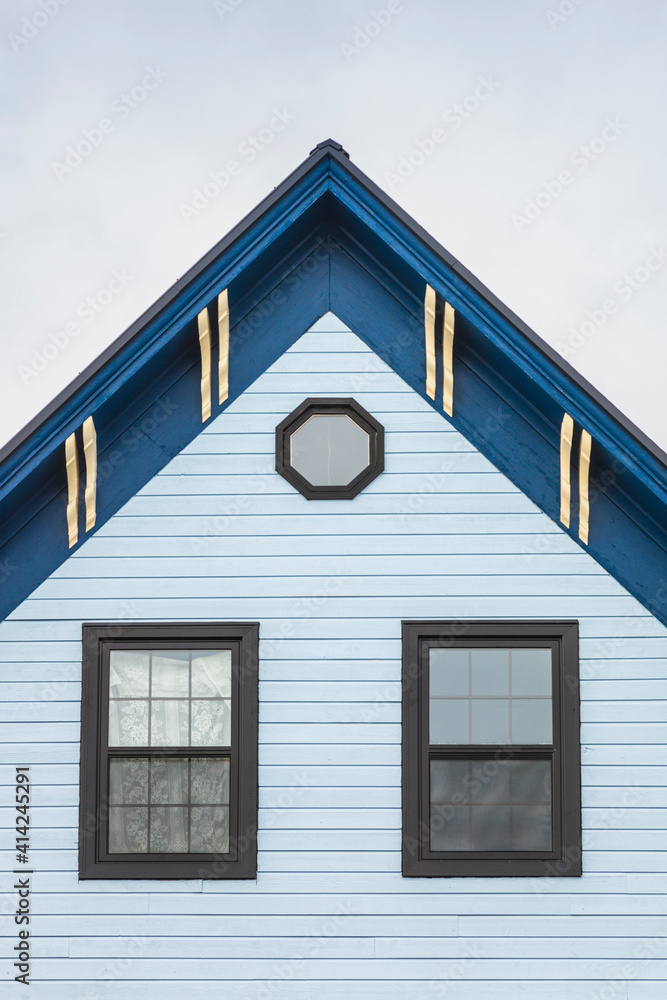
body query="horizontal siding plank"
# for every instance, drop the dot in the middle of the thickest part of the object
(326, 588)
(289, 613)
(366, 503)
(336, 887)
(343, 989)
(239, 521)
(421, 970)
(506, 947)
(272, 486)
(101, 551)
(347, 944)
(629, 930)
(42, 711)
(327, 563)
(337, 944)
(234, 927)
(624, 711)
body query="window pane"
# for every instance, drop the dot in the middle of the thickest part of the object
(531, 720)
(449, 720)
(169, 830)
(477, 683)
(169, 723)
(531, 828)
(450, 828)
(490, 720)
(128, 781)
(490, 781)
(490, 670)
(501, 805)
(169, 782)
(490, 828)
(128, 674)
(187, 795)
(128, 723)
(211, 723)
(449, 673)
(128, 830)
(531, 781)
(450, 781)
(212, 673)
(329, 449)
(531, 672)
(210, 781)
(209, 832)
(170, 673)
(168, 717)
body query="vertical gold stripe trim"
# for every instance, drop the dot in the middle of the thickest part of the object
(584, 472)
(429, 331)
(448, 361)
(72, 466)
(566, 434)
(223, 345)
(205, 348)
(90, 455)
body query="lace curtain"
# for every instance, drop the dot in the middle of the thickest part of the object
(169, 698)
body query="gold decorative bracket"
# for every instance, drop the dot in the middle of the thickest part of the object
(223, 346)
(448, 361)
(566, 434)
(585, 446)
(429, 333)
(72, 467)
(205, 348)
(90, 455)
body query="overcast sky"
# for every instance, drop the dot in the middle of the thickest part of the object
(546, 176)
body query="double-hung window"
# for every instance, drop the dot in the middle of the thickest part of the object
(169, 751)
(491, 771)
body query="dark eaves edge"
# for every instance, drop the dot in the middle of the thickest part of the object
(333, 149)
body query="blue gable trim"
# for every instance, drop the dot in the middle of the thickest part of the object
(328, 238)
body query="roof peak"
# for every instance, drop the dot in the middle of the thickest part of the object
(330, 144)
(328, 239)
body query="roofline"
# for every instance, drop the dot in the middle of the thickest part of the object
(334, 150)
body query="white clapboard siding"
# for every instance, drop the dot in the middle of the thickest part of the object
(441, 534)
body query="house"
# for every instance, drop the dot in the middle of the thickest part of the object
(333, 641)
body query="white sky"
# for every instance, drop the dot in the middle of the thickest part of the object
(220, 71)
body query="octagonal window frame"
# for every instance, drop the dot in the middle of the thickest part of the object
(317, 406)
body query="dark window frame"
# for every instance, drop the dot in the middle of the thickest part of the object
(241, 860)
(349, 407)
(417, 858)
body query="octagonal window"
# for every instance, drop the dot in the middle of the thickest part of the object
(329, 448)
